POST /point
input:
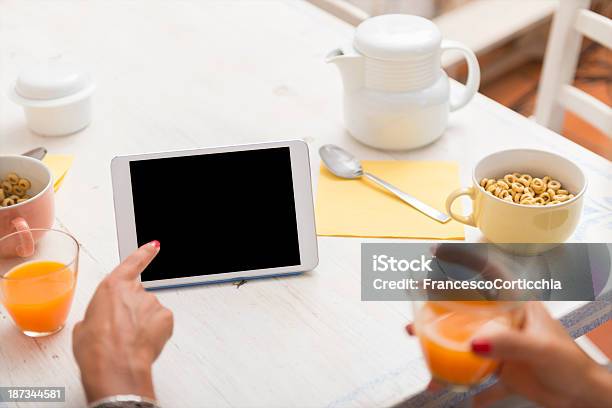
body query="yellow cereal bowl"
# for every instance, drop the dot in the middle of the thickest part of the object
(504, 221)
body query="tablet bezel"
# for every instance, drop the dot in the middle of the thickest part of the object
(302, 189)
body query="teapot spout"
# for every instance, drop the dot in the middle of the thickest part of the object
(350, 64)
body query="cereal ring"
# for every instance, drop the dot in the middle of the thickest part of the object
(539, 200)
(517, 197)
(503, 184)
(1, 195)
(529, 191)
(550, 191)
(554, 184)
(498, 191)
(516, 174)
(483, 182)
(12, 178)
(509, 178)
(561, 197)
(505, 193)
(524, 181)
(517, 187)
(546, 179)
(17, 190)
(490, 182)
(507, 198)
(525, 196)
(491, 188)
(7, 187)
(25, 184)
(554, 202)
(561, 191)
(21, 200)
(545, 196)
(537, 185)
(7, 202)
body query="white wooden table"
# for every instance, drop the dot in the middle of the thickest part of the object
(199, 73)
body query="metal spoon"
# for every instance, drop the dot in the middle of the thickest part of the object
(345, 165)
(38, 153)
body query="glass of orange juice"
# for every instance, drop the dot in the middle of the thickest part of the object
(37, 290)
(446, 329)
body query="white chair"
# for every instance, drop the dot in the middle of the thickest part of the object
(572, 21)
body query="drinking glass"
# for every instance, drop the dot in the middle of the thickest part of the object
(37, 290)
(446, 329)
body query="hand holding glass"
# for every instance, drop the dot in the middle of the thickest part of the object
(37, 290)
(446, 329)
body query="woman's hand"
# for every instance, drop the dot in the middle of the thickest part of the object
(541, 362)
(544, 364)
(124, 330)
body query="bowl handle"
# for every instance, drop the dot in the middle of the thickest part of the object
(26, 247)
(464, 219)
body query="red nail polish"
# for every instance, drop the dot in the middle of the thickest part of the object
(481, 347)
(155, 244)
(410, 329)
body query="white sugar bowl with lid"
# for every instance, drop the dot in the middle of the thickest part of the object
(396, 94)
(56, 97)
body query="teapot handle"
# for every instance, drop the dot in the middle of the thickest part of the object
(473, 79)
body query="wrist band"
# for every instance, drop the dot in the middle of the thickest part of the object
(124, 401)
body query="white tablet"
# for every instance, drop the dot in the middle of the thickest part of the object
(220, 214)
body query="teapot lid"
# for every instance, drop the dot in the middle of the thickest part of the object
(397, 37)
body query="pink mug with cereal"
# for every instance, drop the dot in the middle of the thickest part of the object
(26, 198)
(523, 196)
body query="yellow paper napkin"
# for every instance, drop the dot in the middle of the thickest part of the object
(59, 165)
(360, 208)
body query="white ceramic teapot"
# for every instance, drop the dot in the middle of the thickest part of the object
(396, 95)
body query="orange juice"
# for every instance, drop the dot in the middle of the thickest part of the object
(446, 334)
(38, 295)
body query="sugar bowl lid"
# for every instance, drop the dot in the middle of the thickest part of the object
(397, 37)
(51, 80)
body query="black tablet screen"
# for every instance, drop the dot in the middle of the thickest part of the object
(216, 213)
